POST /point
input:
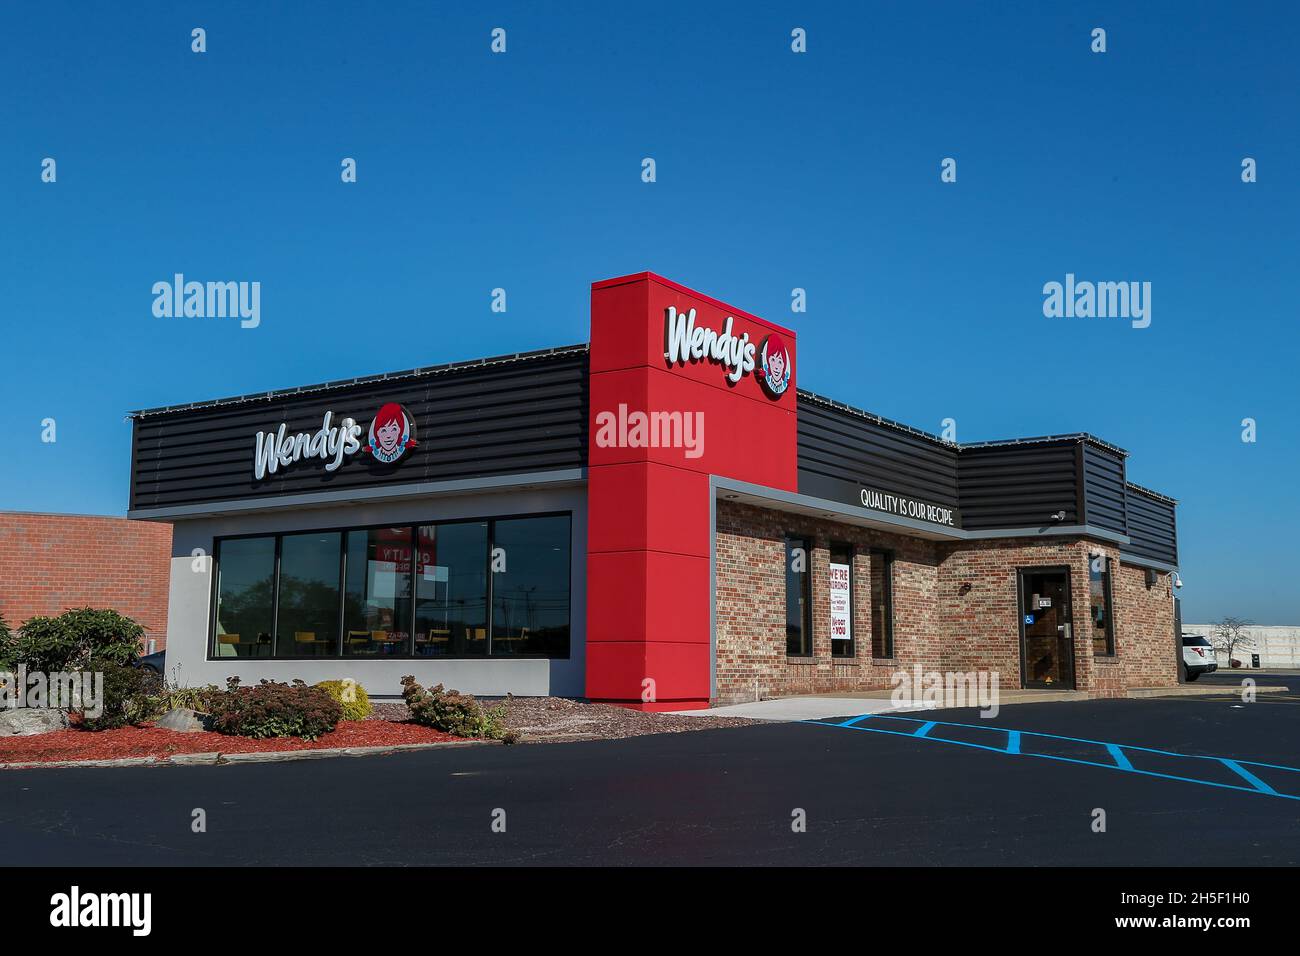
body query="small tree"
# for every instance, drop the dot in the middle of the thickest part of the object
(1229, 634)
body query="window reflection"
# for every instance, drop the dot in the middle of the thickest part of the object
(245, 575)
(1103, 630)
(798, 633)
(451, 590)
(882, 604)
(307, 618)
(377, 599)
(530, 587)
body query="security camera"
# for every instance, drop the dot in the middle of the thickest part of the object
(1178, 582)
(1058, 516)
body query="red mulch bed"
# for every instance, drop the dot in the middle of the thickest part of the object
(148, 741)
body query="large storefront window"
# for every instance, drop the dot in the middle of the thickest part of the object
(451, 591)
(798, 634)
(530, 587)
(398, 592)
(307, 606)
(377, 596)
(245, 616)
(1099, 613)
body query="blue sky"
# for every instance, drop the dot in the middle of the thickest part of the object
(775, 170)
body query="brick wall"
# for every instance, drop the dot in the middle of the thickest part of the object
(955, 609)
(49, 563)
(750, 613)
(1144, 622)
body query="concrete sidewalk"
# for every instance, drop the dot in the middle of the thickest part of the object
(821, 706)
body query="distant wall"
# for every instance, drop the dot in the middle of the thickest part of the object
(1276, 646)
(49, 563)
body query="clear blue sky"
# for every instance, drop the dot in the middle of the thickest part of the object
(775, 170)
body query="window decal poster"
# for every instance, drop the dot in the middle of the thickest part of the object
(841, 618)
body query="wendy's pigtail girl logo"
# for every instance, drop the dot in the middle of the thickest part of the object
(774, 367)
(391, 433)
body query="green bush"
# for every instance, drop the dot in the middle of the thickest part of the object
(273, 709)
(453, 712)
(130, 695)
(352, 697)
(80, 639)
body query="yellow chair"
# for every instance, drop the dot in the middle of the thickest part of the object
(436, 635)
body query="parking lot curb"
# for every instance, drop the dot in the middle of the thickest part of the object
(216, 758)
(1203, 690)
(118, 762)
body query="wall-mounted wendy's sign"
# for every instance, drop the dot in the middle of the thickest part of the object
(392, 432)
(684, 341)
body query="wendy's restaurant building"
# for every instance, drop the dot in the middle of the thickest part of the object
(660, 518)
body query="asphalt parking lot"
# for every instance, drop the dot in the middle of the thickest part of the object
(953, 796)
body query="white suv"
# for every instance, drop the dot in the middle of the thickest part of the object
(1198, 656)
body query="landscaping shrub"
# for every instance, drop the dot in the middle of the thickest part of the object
(453, 712)
(80, 639)
(352, 697)
(191, 698)
(273, 709)
(130, 696)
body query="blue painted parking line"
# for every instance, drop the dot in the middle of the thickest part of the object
(1119, 753)
(1121, 761)
(1249, 777)
(853, 720)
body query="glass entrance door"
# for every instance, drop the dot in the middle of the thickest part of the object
(1046, 629)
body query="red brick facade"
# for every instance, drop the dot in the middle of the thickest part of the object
(955, 608)
(49, 563)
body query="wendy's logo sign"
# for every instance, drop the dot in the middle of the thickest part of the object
(391, 433)
(774, 366)
(684, 341)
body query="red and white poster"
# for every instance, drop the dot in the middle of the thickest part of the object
(841, 617)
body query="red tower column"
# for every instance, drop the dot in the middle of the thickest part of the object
(648, 539)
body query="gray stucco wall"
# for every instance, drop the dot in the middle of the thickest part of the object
(190, 596)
